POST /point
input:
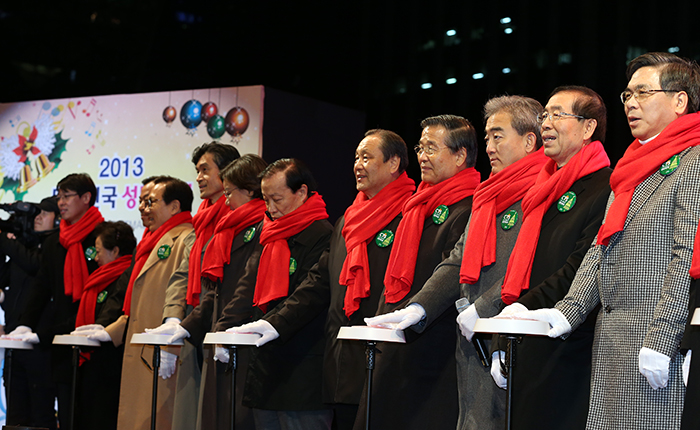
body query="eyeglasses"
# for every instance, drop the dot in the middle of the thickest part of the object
(65, 197)
(429, 150)
(227, 194)
(556, 116)
(149, 202)
(641, 95)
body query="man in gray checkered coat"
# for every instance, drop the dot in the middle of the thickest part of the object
(637, 268)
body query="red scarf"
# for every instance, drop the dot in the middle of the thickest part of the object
(218, 253)
(695, 265)
(363, 220)
(493, 196)
(96, 282)
(641, 161)
(75, 271)
(204, 223)
(146, 247)
(402, 261)
(273, 272)
(550, 185)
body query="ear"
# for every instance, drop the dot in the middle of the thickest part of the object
(85, 198)
(530, 143)
(174, 207)
(116, 250)
(394, 163)
(461, 157)
(680, 106)
(591, 125)
(303, 191)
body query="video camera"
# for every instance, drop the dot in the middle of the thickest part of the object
(21, 221)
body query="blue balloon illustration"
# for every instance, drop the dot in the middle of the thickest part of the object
(191, 114)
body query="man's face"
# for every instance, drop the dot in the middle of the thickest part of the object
(442, 164)
(652, 114)
(279, 198)
(504, 145)
(210, 185)
(145, 192)
(563, 138)
(72, 206)
(371, 172)
(158, 212)
(236, 197)
(44, 221)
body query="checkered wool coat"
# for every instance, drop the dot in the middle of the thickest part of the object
(641, 281)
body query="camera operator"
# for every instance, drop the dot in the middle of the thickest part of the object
(33, 392)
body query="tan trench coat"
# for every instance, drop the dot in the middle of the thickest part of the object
(148, 298)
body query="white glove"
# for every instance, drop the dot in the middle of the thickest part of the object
(24, 334)
(466, 321)
(92, 331)
(221, 354)
(2, 296)
(686, 367)
(400, 319)
(654, 366)
(511, 310)
(260, 327)
(172, 327)
(496, 373)
(560, 325)
(168, 363)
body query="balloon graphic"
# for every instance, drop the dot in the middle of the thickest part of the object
(191, 115)
(216, 127)
(237, 122)
(208, 111)
(169, 115)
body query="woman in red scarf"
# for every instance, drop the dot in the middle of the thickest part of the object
(100, 372)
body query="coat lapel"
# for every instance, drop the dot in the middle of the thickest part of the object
(168, 239)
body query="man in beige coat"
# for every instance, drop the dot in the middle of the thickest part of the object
(164, 248)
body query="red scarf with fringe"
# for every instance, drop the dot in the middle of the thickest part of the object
(75, 272)
(96, 282)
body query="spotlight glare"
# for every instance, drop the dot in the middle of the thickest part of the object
(451, 32)
(477, 76)
(451, 81)
(426, 86)
(506, 70)
(508, 30)
(505, 20)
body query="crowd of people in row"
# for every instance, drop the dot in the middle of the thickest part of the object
(554, 234)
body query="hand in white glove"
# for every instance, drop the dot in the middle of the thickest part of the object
(221, 354)
(686, 367)
(654, 366)
(24, 334)
(496, 373)
(400, 319)
(93, 331)
(511, 310)
(560, 325)
(260, 327)
(172, 327)
(466, 321)
(168, 362)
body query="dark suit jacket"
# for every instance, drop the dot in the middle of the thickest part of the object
(553, 368)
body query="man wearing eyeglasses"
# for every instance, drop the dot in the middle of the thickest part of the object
(637, 269)
(562, 211)
(67, 260)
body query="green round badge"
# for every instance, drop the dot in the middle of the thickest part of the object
(566, 202)
(384, 238)
(102, 297)
(249, 234)
(670, 166)
(164, 252)
(90, 253)
(292, 265)
(440, 214)
(509, 219)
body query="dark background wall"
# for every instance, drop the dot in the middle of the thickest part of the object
(371, 56)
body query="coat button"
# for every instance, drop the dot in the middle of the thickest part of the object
(608, 308)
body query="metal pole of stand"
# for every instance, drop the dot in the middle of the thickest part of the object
(510, 365)
(154, 401)
(370, 350)
(232, 365)
(76, 358)
(8, 380)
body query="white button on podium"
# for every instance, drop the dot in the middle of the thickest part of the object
(75, 342)
(370, 335)
(10, 344)
(232, 341)
(156, 340)
(513, 330)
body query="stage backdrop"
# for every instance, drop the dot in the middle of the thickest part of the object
(120, 140)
